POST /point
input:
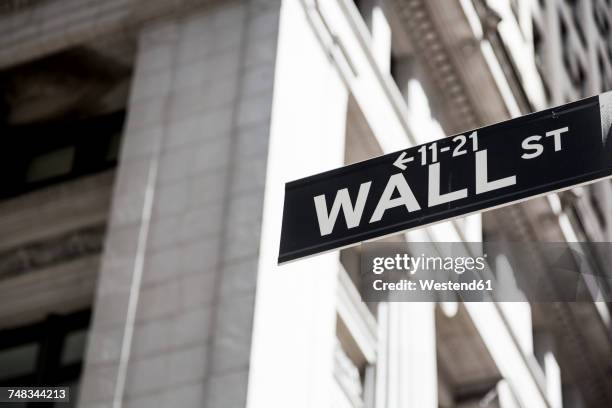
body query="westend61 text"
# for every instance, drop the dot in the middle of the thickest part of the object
(432, 285)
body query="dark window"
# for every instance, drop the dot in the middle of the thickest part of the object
(578, 78)
(538, 45)
(595, 204)
(37, 155)
(576, 217)
(564, 33)
(602, 72)
(48, 353)
(576, 17)
(601, 21)
(547, 93)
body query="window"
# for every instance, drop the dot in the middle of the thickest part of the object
(577, 18)
(601, 20)
(52, 164)
(602, 71)
(578, 78)
(564, 33)
(537, 45)
(547, 93)
(47, 353)
(595, 204)
(37, 155)
(18, 361)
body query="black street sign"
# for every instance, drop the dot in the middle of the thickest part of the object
(489, 167)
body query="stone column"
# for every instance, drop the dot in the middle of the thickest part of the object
(173, 313)
(544, 345)
(407, 368)
(374, 15)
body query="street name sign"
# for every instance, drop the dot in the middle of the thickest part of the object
(489, 167)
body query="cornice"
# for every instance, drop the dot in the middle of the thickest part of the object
(52, 251)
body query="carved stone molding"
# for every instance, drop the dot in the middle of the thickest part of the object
(8, 6)
(52, 251)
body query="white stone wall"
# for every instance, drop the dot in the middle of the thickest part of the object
(295, 314)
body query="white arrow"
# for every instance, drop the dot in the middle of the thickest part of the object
(401, 161)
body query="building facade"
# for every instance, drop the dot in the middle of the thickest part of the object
(145, 147)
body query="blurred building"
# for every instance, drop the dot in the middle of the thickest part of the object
(144, 147)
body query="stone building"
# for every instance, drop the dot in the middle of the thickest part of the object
(144, 147)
